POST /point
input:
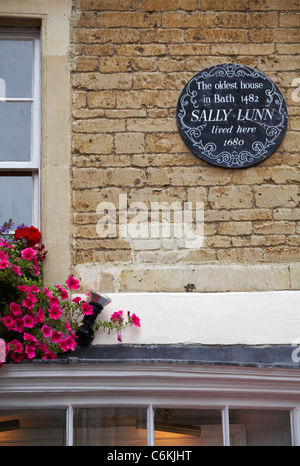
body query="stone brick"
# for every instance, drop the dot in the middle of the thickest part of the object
(276, 196)
(93, 144)
(245, 255)
(130, 143)
(124, 64)
(172, 36)
(141, 50)
(230, 197)
(85, 64)
(97, 81)
(128, 20)
(207, 278)
(274, 228)
(242, 49)
(221, 5)
(235, 228)
(147, 99)
(99, 125)
(166, 5)
(181, 19)
(216, 35)
(247, 20)
(102, 99)
(109, 5)
(274, 5)
(164, 142)
(90, 178)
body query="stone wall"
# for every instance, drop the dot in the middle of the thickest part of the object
(130, 60)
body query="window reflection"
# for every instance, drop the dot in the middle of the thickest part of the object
(188, 427)
(16, 199)
(260, 428)
(37, 427)
(110, 427)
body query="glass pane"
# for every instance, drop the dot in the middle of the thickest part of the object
(188, 427)
(36, 427)
(260, 428)
(16, 64)
(16, 199)
(15, 131)
(110, 427)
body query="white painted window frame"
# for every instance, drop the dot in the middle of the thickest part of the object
(32, 166)
(69, 386)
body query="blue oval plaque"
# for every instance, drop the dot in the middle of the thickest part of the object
(232, 116)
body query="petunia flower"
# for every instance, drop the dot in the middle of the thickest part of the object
(28, 253)
(117, 316)
(15, 346)
(49, 355)
(28, 321)
(47, 331)
(16, 269)
(40, 316)
(30, 351)
(31, 338)
(87, 309)
(56, 336)
(15, 309)
(55, 312)
(135, 320)
(63, 293)
(4, 264)
(72, 283)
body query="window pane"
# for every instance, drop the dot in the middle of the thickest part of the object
(16, 199)
(110, 427)
(15, 131)
(42, 427)
(188, 427)
(16, 64)
(260, 428)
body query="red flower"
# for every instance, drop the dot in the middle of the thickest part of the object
(31, 234)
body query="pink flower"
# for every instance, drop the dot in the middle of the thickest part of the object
(30, 351)
(55, 312)
(63, 293)
(56, 336)
(117, 316)
(48, 292)
(72, 283)
(9, 322)
(47, 331)
(28, 254)
(15, 346)
(76, 300)
(29, 302)
(44, 347)
(15, 309)
(4, 264)
(67, 344)
(135, 320)
(49, 355)
(87, 309)
(119, 336)
(28, 321)
(16, 269)
(23, 288)
(31, 338)
(33, 289)
(19, 325)
(40, 316)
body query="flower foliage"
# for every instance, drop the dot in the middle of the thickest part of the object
(35, 321)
